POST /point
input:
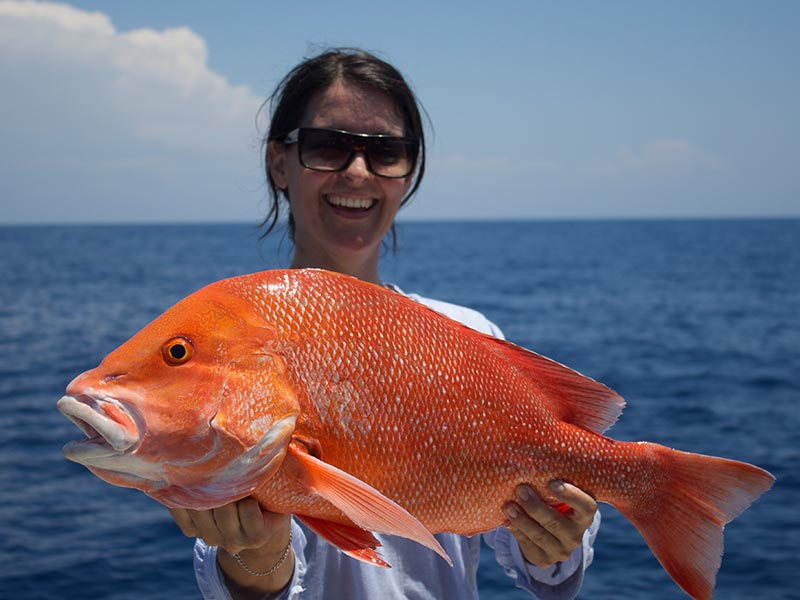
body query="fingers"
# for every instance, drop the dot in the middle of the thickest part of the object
(236, 526)
(184, 521)
(251, 523)
(224, 524)
(545, 535)
(583, 505)
(538, 529)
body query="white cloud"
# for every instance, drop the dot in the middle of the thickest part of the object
(99, 124)
(155, 82)
(463, 165)
(673, 157)
(61, 15)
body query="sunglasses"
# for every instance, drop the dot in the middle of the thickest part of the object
(333, 150)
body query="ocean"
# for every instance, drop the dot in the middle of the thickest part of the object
(695, 323)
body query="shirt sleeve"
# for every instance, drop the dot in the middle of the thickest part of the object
(562, 581)
(211, 581)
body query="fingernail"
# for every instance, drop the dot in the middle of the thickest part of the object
(557, 486)
(523, 492)
(511, 511)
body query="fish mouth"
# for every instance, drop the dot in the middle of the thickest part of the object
(111, 427)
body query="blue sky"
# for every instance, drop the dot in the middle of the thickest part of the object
(145, 111)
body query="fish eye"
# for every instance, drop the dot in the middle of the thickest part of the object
(177, 351)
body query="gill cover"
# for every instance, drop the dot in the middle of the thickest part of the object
(254, 424)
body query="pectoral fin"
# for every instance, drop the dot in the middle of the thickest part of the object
(360, 502)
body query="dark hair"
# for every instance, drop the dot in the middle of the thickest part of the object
(351, 65)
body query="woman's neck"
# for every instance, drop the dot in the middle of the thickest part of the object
(361, 267)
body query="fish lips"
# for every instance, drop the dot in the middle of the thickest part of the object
(110, 425)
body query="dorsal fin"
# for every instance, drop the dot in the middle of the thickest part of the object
(573, 397)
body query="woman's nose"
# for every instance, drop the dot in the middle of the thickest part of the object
(357, 169)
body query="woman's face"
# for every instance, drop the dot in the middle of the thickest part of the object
(341, 217)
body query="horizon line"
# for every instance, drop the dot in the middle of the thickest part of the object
(411, 220)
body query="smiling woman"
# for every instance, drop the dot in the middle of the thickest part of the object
(343, 93)
(341, 216)
(345, 151)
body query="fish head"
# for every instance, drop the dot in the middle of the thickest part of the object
(195, 410)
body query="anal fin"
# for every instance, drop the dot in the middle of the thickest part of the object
(353, 541)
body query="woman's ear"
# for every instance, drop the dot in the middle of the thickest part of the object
(276, 159)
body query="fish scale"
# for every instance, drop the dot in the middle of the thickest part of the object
(360, 410)
(376, 443)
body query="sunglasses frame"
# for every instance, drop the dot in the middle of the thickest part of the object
(296, 136)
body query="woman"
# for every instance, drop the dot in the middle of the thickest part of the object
(346, 150)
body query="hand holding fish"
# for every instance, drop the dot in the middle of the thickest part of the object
(235, 526)
(546, 535)
(243, 527)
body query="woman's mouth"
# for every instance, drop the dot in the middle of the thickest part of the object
(350, 202)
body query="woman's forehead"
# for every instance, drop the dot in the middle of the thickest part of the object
(354, 108)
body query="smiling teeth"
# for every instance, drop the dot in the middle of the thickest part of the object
(350, 202)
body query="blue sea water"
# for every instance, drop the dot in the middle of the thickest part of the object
(695, 323)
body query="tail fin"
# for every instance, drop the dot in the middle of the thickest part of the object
(683, 519)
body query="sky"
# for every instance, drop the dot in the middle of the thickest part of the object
(148, 111)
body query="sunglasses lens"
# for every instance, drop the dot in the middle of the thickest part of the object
(391, 158)
(326, 150)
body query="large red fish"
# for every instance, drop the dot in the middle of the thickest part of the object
(359, 410)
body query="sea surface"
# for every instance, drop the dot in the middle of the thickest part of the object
(695, 323)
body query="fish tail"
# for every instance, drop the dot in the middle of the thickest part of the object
(681, 515)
